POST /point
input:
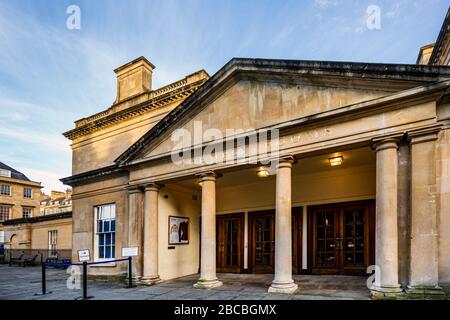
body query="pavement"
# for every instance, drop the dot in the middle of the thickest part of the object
(17, 283)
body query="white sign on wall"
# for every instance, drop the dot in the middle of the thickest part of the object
(130, 252)
(83, 255)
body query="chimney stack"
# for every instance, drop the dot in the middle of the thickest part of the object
(134, 78)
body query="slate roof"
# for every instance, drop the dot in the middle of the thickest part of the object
(442, 39)
(14, 173)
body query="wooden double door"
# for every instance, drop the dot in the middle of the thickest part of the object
(230, 242)
(261, 236)
(342, 238)
(262, 241)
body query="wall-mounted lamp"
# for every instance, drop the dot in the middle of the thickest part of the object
(336, 161)
(263, 172)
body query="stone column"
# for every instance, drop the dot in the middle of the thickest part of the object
(135, 228)
(283, 282)
(386, 243)
(443, 181)
(150, 274)
(423, 279)
(208, 278)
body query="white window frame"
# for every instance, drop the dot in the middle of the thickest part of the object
(9, 212)
(9, 188)
(5, 173)
(109, 213)
(2, 236)
(23, 212)
(25, 195)
(52, 243)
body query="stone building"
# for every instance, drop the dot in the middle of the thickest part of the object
(357, 175)
(29, 222)
(19, 197)
(56, 202)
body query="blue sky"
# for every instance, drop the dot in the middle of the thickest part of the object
(51, 76)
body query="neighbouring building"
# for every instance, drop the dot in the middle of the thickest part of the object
(56, 202)
(19, 198)
(361, 175)
(30, 222)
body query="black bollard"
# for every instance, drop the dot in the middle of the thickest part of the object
(44, 284)
(85, 296)
(130, 273)
(85, 280)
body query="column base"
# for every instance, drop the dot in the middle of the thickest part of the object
(386, 292)
(284, 288)
(207, 284)
(135, 280)
(425, 292)
(149, 281)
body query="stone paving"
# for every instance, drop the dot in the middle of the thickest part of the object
(18, 283)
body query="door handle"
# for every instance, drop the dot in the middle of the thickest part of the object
(338, 243)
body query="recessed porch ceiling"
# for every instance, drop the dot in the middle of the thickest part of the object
(351, 158)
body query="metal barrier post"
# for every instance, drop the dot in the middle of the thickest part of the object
(44, 285)
(44, 282)
(85, 296)
(130, 273)
(85, 280)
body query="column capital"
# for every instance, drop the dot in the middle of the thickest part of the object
(288, 158)
(386, 142)
(153, 186)
(208, 176)
(134, 189)
(424, 135)
(286, 161)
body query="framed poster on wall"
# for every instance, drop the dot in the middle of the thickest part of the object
(178, 230)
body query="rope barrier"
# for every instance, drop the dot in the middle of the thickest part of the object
(110, 261)
(56, 264)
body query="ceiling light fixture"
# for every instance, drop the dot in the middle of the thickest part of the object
(263, 172)
(336, 161)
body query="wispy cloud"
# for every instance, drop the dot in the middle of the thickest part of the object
(51, 76)
(49, 179)
(325, 3)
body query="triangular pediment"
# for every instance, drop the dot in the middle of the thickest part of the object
(255, 98)
(250, 105)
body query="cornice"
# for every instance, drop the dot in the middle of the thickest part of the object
(433, 78)
(50, 217)
(27, 183)
(161, 97)
(443, 33)
(93, 174)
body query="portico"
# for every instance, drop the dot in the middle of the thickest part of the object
(324, 172)
(266, 229)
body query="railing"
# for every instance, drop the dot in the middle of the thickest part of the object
(9, 255)
(152, 95)
(85, 274)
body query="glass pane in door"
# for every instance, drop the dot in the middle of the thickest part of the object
(325, 239)
(231, 243)
(354, 235)
(263, 245)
